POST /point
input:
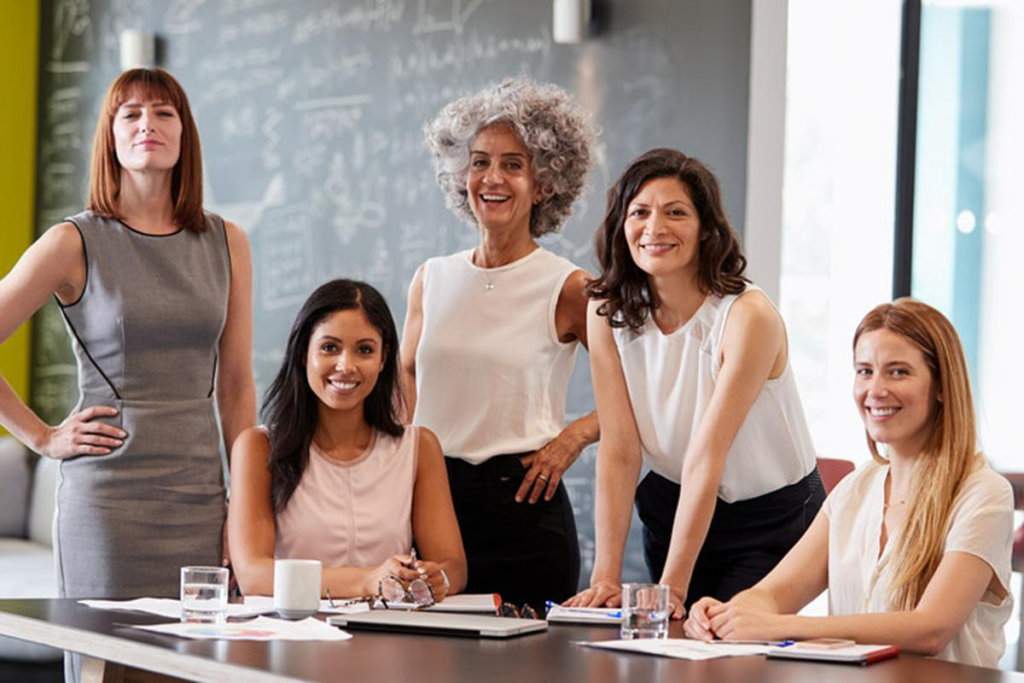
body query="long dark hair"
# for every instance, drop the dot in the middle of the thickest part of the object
(290, 408)
(624, 286)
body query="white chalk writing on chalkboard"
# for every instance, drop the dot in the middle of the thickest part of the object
(286, 265)
(431, 16)
(311, 115)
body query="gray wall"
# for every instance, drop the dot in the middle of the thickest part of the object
(311, 111)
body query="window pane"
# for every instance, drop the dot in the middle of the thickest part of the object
(838, 204)
(968, 204)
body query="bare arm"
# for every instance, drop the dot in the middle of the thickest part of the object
(552, 461)
(53, 265)
(752, 345)
(618, 465)
(799, 578)
(768, 609)
(253, 534)
(236, 391)
(251, 514)
(411, 332)
(435, 527)
(954, 591)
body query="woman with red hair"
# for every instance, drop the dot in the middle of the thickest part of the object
(156, 295)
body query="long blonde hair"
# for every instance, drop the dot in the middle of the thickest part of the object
(949, 454)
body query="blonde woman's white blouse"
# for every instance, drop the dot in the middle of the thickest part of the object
(980, 524)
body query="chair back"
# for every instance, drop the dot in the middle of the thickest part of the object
(1016, 480)
(832, 470)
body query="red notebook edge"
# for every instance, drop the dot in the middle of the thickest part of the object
(879, 655)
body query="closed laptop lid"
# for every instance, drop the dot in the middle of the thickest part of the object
(439, 623)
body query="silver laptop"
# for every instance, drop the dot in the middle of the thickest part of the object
(438, 623)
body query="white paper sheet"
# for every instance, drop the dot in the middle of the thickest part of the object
(260, 628)
(254, 606)
(681, 648)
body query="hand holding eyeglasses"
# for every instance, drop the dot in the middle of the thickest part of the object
(434, 575)
(398, 566)
(405, 577)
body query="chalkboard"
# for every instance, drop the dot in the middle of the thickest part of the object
(311, 111)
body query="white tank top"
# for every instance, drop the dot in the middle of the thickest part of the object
(491, 375)
(356, 513)
(671, 378)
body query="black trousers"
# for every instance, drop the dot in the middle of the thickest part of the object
(527, 553)
(745, 541)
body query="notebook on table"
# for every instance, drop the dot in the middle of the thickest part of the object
(480, 603)
(852, 654)
(438, 623)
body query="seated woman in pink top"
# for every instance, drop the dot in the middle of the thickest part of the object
(334, 476)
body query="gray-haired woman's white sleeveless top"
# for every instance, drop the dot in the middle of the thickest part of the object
(145, 333)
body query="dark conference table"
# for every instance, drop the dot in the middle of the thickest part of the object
(385, 657)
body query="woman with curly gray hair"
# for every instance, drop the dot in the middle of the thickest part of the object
(491, 335)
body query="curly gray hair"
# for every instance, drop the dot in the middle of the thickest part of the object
(556, 131)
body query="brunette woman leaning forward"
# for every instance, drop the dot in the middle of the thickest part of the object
(691, 371)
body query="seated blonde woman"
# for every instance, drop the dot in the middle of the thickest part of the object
(914, 546)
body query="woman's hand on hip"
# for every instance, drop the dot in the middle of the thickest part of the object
(546, 466)
(79, 434)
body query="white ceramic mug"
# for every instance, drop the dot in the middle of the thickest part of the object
(297, 588)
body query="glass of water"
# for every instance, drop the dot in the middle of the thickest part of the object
(204, 594)
(645, 611)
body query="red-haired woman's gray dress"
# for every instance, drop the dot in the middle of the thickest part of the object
(145, 332)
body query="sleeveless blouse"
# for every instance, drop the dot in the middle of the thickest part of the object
(491, 375)
(671, 379)
(354, 513)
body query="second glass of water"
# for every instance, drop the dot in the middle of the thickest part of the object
(204, 594)
(645, 611)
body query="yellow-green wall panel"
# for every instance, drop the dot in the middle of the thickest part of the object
(19, 55)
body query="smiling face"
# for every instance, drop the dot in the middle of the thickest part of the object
(344, 358)
(147, 134)
(662, 228)
(502, 190)
(894, 391)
